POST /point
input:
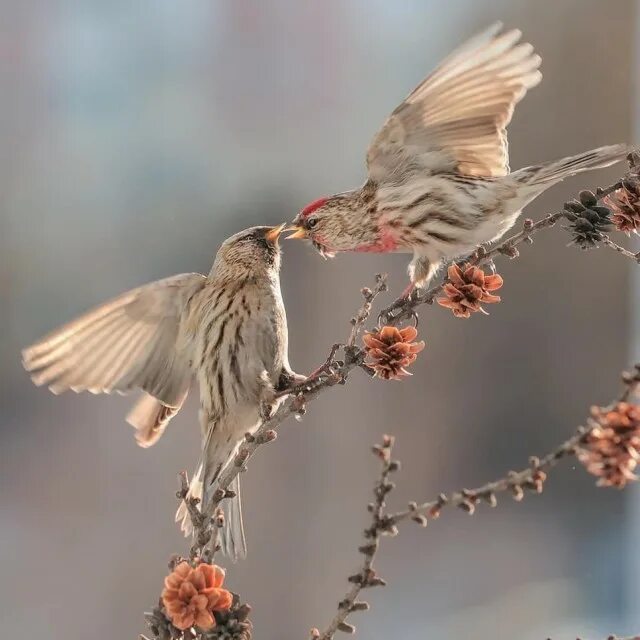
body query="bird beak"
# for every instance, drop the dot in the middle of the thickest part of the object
(274, 233)
(299, 233)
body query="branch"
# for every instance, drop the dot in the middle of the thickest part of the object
(607, 242)
(531, 478)
(366, 577)
(336, 371)
(230, 622)
(361, 317)
(206, 528)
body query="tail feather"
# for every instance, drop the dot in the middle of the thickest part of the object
(552, 172)
(232, 539)
(233, 542)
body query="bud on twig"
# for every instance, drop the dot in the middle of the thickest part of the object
(267, 436)
(421, 520)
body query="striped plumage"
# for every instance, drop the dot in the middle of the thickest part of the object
(227, 331)
(438, 181)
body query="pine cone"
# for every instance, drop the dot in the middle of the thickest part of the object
(391, 351)
(611, 450)
(192, 595)
(625, 206)
(233, 624)
(588, 220)
(467, 288)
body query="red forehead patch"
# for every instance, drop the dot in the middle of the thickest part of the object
(312, 206)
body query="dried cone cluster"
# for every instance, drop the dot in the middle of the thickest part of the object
(232, 625)
(611, 449)
(625, 205)
(192, 595)
(588, 221)
(468, 288)
(391, 350)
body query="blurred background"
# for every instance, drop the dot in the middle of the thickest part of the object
(135, 138)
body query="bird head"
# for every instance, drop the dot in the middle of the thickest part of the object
(332, 224)
(254, 252)
(314, 223)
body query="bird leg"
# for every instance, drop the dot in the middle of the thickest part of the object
(268, 397)
(289, 379)
(401, 307)
(421, 272)
(408, 290)
(293, 383)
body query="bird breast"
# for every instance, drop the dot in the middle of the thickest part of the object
(241, 334)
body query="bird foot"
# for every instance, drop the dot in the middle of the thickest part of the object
(299, 384)
(268, 397)
(408, 291)
(400, 308)
(288, 380)
(292, 384)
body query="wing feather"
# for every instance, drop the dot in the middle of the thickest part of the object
(133, 341)
(456, 119)
(79, 369)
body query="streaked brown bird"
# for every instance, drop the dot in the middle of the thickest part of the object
(439, 182)
(227, 331)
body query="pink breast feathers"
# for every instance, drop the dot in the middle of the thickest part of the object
(385, 243)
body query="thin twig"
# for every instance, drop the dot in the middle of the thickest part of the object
(366, 577)
(532, 478)
(361, 317)
(203, 524)
(607, 242)
(515, 481)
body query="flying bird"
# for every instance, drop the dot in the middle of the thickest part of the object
(439, 183)
(226, 331)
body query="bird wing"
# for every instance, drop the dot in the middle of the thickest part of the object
(455, 120)
(130, 342)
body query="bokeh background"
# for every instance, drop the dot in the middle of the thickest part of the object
(135, 138)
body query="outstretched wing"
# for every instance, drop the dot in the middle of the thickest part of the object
(455, 120)
(129, 342)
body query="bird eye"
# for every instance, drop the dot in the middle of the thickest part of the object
(312, 222)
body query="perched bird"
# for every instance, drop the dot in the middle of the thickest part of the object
(227, 330)
(438, 180)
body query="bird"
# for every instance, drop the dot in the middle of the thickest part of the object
(226, 332)
(438, 179)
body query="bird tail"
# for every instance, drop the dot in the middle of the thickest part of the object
(544, 175)
(232, 538)
(150, 417)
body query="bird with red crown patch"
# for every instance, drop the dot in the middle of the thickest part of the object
(439, 183)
